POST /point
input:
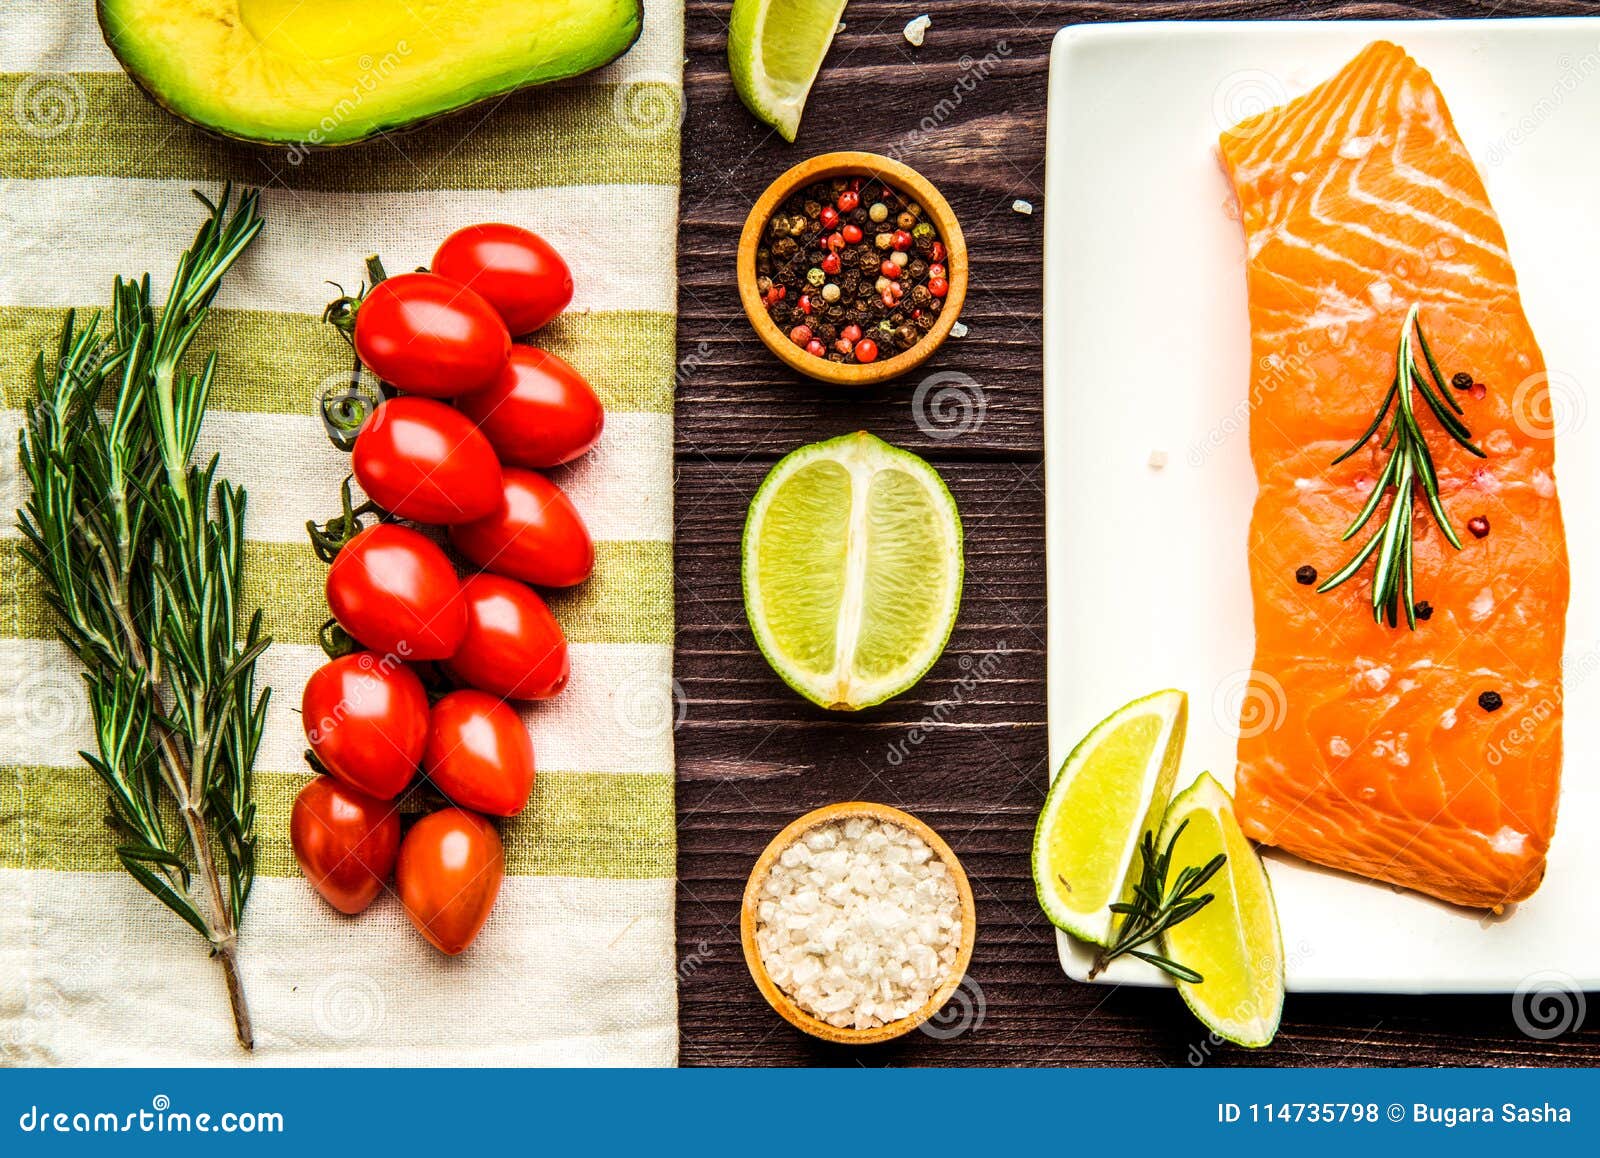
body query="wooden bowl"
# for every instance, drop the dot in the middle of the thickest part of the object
(889, 172)
(781, 1001)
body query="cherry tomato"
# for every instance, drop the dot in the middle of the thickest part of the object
(535, 535)
(428, 335)
(422, 460)
(518, 272)
(479, 754)
(539, 412)
(395, 592)
(366, 717)
(448, 876)
(513, 648)
(345, 842)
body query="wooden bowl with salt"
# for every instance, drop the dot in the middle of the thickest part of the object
(750, 922)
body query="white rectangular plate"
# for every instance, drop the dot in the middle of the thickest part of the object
(1146, 349)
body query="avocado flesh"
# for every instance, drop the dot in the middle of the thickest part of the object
(331, 72)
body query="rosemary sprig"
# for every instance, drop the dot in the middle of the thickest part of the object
(1156, 907)
(142, 557)
(1410, 465)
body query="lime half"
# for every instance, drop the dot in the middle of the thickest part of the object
(775, 48)
(1110, 791)
(852, 570)
(1233, 942)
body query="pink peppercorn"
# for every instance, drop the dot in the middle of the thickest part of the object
(800, 335)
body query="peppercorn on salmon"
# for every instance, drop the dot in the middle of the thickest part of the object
(1428, 758)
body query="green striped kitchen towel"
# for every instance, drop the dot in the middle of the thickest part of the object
(576, 966)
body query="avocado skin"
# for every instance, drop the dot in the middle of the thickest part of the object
(151, 91)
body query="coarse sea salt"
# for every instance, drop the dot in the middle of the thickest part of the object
(859, 922)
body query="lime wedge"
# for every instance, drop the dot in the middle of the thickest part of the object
(852, 570)
(1233, 942)
(1108, 794)
(775, 48)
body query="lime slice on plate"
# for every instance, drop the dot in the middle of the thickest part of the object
(1233, 942)
(1108, 794)
(852, 570)
(775, 48)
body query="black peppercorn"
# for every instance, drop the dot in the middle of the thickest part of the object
(1306, 576)
(1462, 381)
(1490, 701)
(1424, 610)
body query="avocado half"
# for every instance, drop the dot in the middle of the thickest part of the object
(310, 73)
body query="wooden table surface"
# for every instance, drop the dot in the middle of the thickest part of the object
(751, 754)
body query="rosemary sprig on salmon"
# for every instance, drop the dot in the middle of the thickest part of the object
(1410, 466)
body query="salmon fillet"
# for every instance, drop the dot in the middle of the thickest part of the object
(1366, 747)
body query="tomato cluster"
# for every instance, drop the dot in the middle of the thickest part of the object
(467, 420)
